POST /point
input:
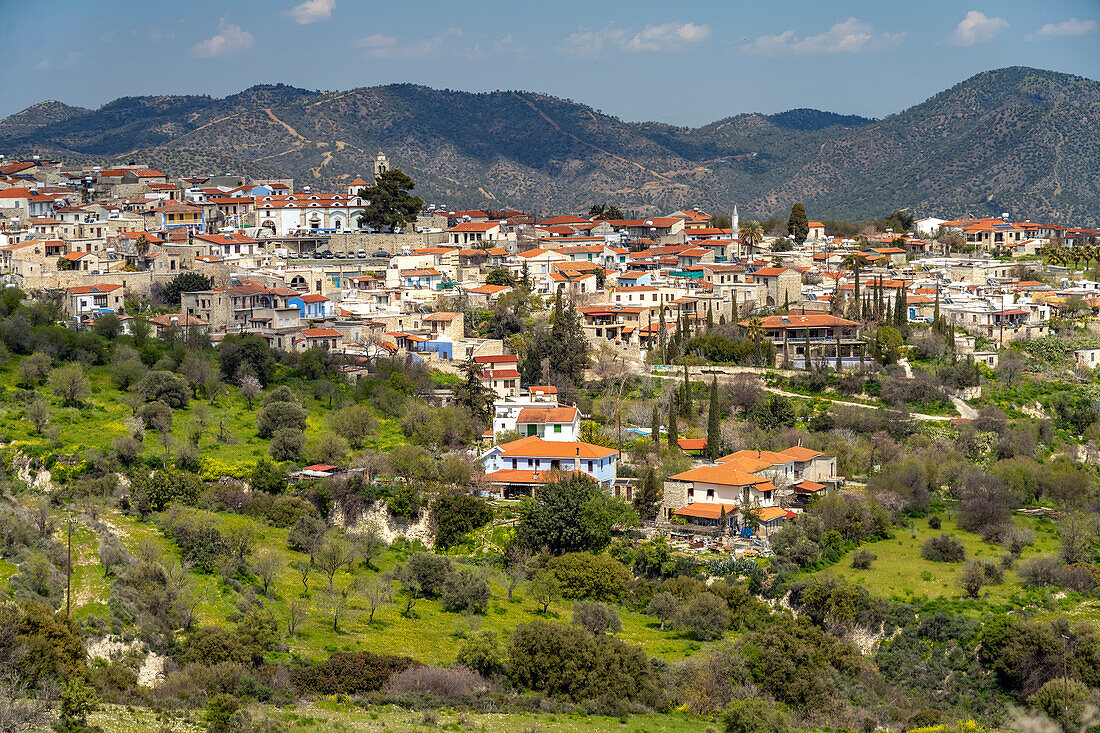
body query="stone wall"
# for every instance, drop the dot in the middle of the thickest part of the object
(675, 497)
(392, 243)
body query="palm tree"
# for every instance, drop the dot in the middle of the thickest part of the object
(751, 234)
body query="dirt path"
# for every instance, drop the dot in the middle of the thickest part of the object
(289, 129)
(964, 409)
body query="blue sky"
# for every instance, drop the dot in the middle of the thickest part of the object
(680, 62)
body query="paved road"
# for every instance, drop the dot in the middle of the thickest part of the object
(964, 409)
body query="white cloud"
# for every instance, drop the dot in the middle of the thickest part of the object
(229, 38)
(508, 46)
(311, 11)
(68, 62)
(850, 36)
(380, 46)
(975, 28)
(1071, 27)
(664, 37)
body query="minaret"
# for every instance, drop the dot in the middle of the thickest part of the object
(734, 223)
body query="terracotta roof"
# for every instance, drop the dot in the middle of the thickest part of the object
(535, 447)
(720, 474)
(759, 455)
(772, 513)
(312, 333)
(313, 298)
(497, 359)
(692, 443)
(441, 317)
(809, 487)
(475, 226)
(529, 415)
(801, 453)
(100, 288)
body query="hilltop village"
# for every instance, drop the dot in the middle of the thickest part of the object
(265, 443)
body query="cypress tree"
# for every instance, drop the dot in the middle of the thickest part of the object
(736, 310)
(797, 225)
(655, 428)
(673, 429)
(685, 402)
(901, 308)
(936, 312)
(839, 361)
(662, 339)
(712, 421)
(710, 317)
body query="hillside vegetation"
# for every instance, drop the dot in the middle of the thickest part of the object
(1020, 140)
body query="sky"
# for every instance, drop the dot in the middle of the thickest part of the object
(684, 62)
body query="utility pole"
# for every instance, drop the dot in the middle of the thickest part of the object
(69, 574)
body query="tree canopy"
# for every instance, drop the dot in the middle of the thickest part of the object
(389, 203)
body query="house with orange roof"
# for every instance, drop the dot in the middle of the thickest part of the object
(818, 335)
(312, 306)
(782, 285)
(520, 466)
(549, 422)
(704, 494)
(817, 230)
(83, 300)
(467, 233)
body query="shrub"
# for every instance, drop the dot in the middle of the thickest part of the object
(285, 511)
(664, 607)
(480, 651)
(430, 571)
(350, 673)
(268, 477)
(972, 578)
(456, 514)
(598, 618)
(943, 548)
(862, 559)
(756, 716)
(212, 645)
(166, 387)
(465, 590)
(276, 416)
(287, 444)
(450, 684)
(934, 522)
(157, 491)
(569, 661)
(706, 616)
(584, 575)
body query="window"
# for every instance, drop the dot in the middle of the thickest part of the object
(557, 428)
(710, 493)
(691, 493)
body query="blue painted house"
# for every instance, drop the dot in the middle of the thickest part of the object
(312, 306)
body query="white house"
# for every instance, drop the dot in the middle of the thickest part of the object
(519, 466)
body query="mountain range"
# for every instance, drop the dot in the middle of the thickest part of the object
(1018, 140)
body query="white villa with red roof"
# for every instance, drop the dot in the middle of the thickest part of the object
(520, 466)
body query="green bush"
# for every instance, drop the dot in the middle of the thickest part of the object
(943, 548)
(350, 673)
(755, 716)
(584, 575)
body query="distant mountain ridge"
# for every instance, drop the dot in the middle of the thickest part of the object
(1017, 140)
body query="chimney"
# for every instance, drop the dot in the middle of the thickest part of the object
(758, 453)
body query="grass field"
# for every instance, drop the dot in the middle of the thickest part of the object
(432, 636)
(327, 715)
(102, 419)
(900, 573)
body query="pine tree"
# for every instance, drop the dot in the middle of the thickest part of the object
(713, 438)
(655, 428)
(673, 429)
